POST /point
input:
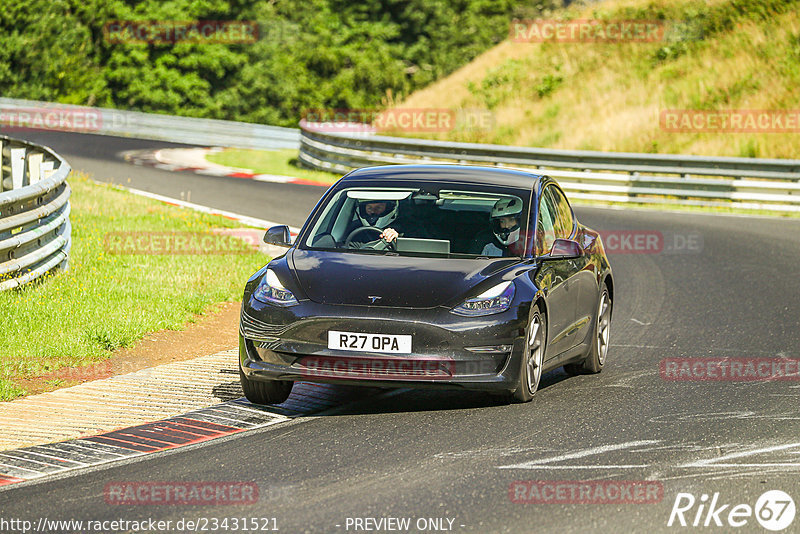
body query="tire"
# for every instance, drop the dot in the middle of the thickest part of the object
(596, 359)
(533, 357)
(265, 392)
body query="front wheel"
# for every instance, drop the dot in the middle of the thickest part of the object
(533, 358)
(265, 392)
(596, 358)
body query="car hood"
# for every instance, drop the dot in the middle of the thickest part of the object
(400, 281)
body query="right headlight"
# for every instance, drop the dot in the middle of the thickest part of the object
(271, 291)
(494, 300)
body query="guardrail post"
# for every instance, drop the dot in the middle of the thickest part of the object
(66, 232)
(34, 167)
(17, 167)
(47, 169)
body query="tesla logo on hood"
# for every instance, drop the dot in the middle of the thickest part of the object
(374, 298)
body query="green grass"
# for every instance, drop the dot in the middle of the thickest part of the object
(106, 301)
(715, 55)
(281, 162)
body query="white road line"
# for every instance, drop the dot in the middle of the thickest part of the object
(7, 455)
(789, 464)
(717, 349)
(536, 464)
(246, 219)
(571, 467)
(714, 462)
(28, 451)
(95, 447)
(212, 172)
(224, 418)
(15, 467)
(260, 412)
(216, 415)
(275, 178)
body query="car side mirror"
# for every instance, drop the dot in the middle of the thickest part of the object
(278, 235)
(565, 249)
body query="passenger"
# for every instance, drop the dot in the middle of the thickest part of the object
(505, 228)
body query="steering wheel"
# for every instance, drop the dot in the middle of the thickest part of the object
(386, 244)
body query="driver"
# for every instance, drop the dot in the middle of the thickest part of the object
(505, 224)
(379, 214)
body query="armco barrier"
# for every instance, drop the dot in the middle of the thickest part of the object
(770, 184)
(34, 212)
(103, 121)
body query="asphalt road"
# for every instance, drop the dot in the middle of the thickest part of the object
(99, 156)
(733, 292)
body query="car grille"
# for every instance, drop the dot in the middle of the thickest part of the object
(375, 368)
(252, 328)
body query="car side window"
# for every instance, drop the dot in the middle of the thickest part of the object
(545, 231)
(563, 219)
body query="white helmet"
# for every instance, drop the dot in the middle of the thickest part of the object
(506, 207)
(380, 220)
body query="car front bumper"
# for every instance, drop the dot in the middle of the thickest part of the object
(448, 350)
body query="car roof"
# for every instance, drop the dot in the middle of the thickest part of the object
(471, 174)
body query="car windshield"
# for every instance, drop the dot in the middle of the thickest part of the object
(483, 222)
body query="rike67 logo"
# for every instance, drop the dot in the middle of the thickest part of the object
(774, 510)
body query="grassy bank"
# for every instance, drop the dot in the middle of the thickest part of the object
(107, 300)
(280, 162)
(720, 55)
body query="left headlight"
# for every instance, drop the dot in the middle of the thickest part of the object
(495, 300)
(271, 291)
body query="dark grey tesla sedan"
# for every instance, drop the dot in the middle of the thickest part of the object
(429, 276)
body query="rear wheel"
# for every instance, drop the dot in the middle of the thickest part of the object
(533, 358)
(265, 392)
(596, 358)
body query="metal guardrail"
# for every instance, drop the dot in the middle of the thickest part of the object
(188, 130)
(34, 212)
(770, 184)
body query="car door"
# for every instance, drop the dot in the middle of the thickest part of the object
(553, 277)
(581, 282)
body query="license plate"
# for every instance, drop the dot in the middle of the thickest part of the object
(390, 343)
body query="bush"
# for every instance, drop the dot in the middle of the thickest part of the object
(310, 54)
